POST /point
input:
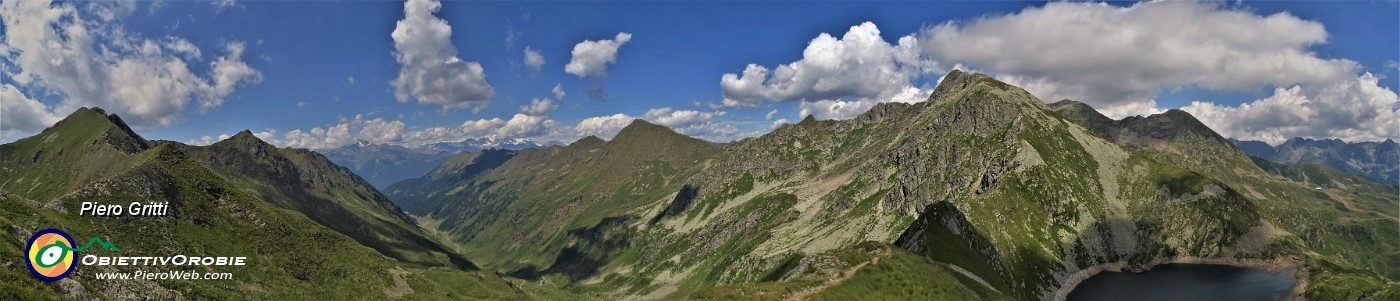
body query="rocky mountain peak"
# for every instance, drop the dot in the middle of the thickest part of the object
(1085, 116)
(1069, 105)
(246, 141)
(954, 81)
(588, 142)
(1176, 122)
(95, 123)
(246, 137)
(1300, 141)
(646, 132)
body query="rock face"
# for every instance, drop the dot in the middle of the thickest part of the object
(1375, 161)
(983, 178)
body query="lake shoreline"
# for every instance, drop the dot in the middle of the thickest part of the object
(1276, 265)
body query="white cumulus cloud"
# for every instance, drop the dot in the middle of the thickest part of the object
(591, 58)
(703, 125)
(56, 49)
(19, 113)
(778, 123)
(518, 128)
(1119, 59)
(374, 130)
(859, 65)
(538, 107)
(843, 109)
(1116, 58)
(521, 126)
(379, 130)
(603, 126)
(558, 92)
(533, 60)
(429, 69)
(1353, 110)
(680, 118)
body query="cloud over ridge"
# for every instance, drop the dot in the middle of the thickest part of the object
(87, 58)
(429, 69)
(1119, 59)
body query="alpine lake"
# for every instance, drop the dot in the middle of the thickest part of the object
(1198, 282)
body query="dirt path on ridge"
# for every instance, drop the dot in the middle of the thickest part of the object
(851, 272)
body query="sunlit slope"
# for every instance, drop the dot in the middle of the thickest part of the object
(515, 209)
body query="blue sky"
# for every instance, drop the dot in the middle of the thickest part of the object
(299, 58)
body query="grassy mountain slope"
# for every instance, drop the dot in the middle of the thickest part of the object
(306, 182)
(518, 210)
(1173, 137)
(91, 156)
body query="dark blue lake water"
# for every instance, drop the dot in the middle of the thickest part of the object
(1186, 282)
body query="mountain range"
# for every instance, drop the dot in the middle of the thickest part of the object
(1375, 161)
(980, 192)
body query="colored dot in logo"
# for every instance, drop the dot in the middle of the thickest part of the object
(49, 254)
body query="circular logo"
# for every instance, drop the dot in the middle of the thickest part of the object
(50, 254)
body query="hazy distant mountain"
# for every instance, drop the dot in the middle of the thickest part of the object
(384, 164)
(1255, 148)
(981, 192)
(1373, 160)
